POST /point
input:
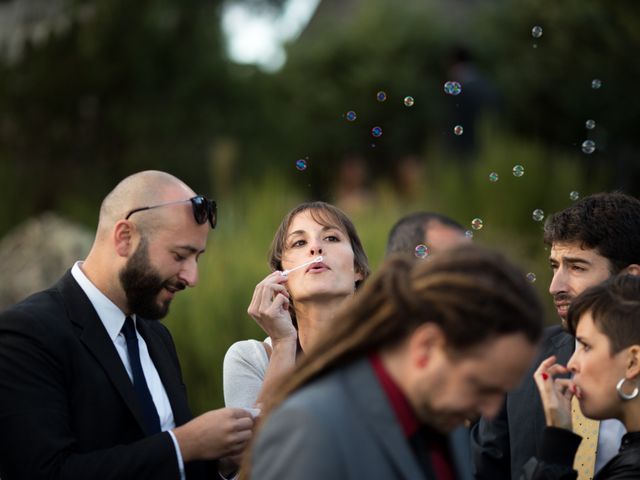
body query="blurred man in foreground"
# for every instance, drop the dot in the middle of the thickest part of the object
(423, 347)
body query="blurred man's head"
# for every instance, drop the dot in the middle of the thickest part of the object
(437, 232)
(455, 333)
(589, 241)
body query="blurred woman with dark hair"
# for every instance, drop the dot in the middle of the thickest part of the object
(605, 369)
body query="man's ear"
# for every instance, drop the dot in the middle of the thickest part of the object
(123, 237)
(633, 269)
(423, 342)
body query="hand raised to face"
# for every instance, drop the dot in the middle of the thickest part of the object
(269, 307)
(555, 393)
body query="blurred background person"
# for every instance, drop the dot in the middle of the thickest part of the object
(383, 394)
(434, 230)
(478, 98)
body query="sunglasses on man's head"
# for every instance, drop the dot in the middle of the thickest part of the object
(203, 209)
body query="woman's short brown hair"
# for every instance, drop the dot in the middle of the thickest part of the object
(615, 308)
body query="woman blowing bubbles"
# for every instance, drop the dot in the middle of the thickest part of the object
(292, 308)
(606, 374)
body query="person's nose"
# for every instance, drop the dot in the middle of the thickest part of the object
(316, 248)
(558, 282)
(573, 363)
(189, 273)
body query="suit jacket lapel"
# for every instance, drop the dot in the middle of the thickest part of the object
(95, 337)
(561, 344)
(167, 370)
(460, 449)
(377, 415)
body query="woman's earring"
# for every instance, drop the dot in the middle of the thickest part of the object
(626, 396)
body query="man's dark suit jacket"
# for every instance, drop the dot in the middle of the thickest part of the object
(343, 427)
(502, 446)
(68, 409)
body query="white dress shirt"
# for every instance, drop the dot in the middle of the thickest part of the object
(609, 438)
(113, 319)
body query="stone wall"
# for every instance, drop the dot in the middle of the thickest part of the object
(36, 253)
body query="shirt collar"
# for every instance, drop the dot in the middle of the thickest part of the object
(110, 315)
(398, 400)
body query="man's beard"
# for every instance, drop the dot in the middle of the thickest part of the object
(142, 284)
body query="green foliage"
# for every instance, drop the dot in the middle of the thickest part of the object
(549, 87)
(132, 87)
(340, 68)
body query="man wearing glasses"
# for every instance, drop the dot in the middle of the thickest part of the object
(90, 384)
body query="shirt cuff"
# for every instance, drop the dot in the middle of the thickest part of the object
(178, 455)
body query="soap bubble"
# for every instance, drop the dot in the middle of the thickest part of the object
(351, 115)
(531, 277)
(536, 32)
(301, 164)
(477, 223)
(493, 177)
(538, 215)
(596, 83)
(409, 101)
(452, 88)
(421, 251)
(588, 147)
(590, 124)
(381, 96)
(458, 130)
(574, 195)
(376, 131)
(518, 170)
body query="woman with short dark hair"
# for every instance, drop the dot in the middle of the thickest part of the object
(605, 369)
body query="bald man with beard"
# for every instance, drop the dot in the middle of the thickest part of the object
(90, 383)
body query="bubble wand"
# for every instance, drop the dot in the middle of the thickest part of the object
(310, 262)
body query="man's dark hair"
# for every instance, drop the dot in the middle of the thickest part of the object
(606, 222)
(615, 308)
(410, 230)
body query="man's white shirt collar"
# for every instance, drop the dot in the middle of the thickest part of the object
(110, 315)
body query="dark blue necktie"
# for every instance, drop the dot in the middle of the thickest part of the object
(149, 412)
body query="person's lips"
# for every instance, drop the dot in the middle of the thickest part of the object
(317, 267)
(577, 391)
(562, 302)
(562, 308)
(173, 288)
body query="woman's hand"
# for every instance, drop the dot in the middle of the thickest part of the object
(555, 393)
(270, 308)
